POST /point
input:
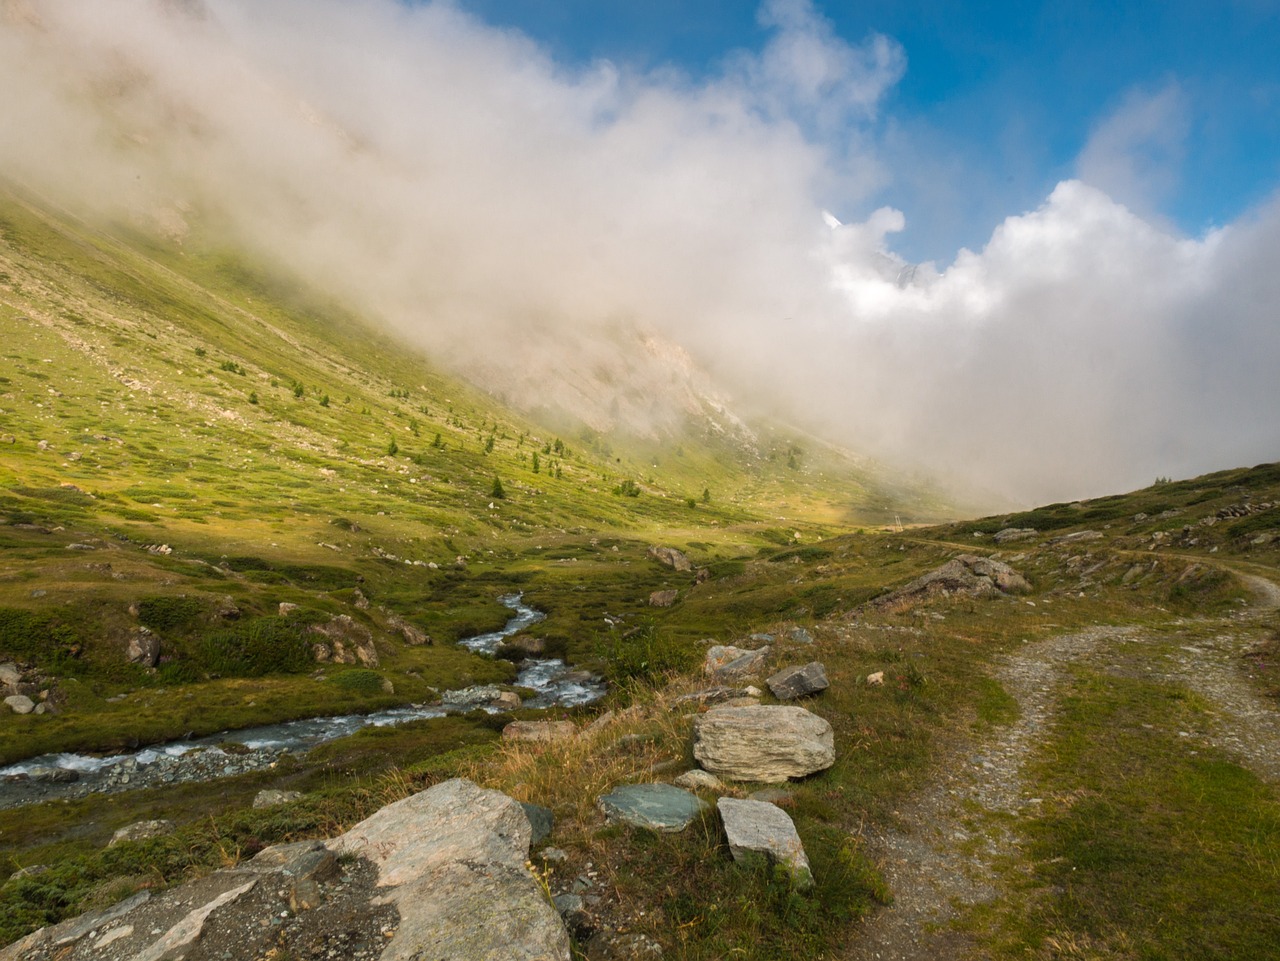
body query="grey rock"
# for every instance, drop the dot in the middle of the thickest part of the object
(800, 681)
(965, 575)
(539, 731)
(271, 798)
(663, 598)
(20, 703)
(480, 695)
(659, 807)
(799, 635)
(620, 946)
(412, 634)
(758, 828)
(671, 557)
(724, 661)
(452, 861)
(348, 640)
(541, 821)
(144, 648)
(54, 775)
(699, 780)
(141, 831)
(30, 871)
(762, 743)
(1077, 537)
(1012, 534)
(10, 677)
(189, 929)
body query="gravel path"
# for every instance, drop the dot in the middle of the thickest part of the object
(943, 858)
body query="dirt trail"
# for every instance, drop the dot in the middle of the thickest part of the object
(942, 859)
(954, 832)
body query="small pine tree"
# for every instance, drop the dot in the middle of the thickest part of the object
(706, 495)
(437, 443)
(537, 466)
(324, 401)
(393, 448)
(253, 396)
(497, 492)
(488, 445)
(298, 389)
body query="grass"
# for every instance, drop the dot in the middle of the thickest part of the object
(1148, 848)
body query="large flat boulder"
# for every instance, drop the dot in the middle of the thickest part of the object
(758, 829)
(672, 558)
(452, 859)
(659, 807)
(763, 743)
(966, 575)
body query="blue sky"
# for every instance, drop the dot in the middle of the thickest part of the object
(999, 100)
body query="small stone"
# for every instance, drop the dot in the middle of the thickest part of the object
(699, 780)
(876, 679)
(20, 703)
(271, 798)
(793, 682)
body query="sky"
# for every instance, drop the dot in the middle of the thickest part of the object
(1033, 250)
(1173, 107)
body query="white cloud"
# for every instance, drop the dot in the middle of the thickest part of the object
(1135, 154)
(498, 209)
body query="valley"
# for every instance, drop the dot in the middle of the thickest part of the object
(229, 502)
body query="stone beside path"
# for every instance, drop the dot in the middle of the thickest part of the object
(763, 743)
(801, 681)
(759, 829)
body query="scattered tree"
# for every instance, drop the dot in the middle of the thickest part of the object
(324, 401)
(253, 396)
(393, 448)
(298, 389)
(537, 466)
(497, 492)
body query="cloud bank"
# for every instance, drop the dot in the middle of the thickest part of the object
(494, 206)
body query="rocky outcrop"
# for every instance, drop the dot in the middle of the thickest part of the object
(663, 598)
(672, 558)
(762, 743)
(758, 829)
(1013, 534)
(412, 634)
(141, 831)
(440, 874)
(481, 695)
(801, 681)
(271, 797)
(346, 641)
(965, 575)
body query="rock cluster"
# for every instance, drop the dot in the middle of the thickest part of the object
(964, 575)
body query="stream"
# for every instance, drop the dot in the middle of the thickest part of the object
(247, 749)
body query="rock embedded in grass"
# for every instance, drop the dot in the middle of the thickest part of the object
(658, 807)
(759, 829)
(20, 703)
(725, 661)
(539, 731)
(799, 681)
(767, 744)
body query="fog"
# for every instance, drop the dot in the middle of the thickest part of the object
(511, 215)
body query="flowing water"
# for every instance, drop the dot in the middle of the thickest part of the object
(553, 681)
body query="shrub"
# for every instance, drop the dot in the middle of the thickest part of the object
(168, 613)
(359, 681)
(268, 645)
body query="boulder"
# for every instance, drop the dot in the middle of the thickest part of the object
(724, 661)
(20, 703)
(412, 634)
(270, 798)
(798, 635)
(663, 598)
(658, 807)
(1012, 534)
(140, 831)
(672, 558)
(519, 646)
(144, 648)
(801, 681)
(966, 575)
(452, 862)
(758, 829)
(762, 743)
(539, 731)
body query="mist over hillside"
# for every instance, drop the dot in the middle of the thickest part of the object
(565, 235)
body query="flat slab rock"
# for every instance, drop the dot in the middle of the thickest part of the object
(760, 829)
(763, 743)
(800, 681)
(726, 661)
(658, 807)
(440, 874)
